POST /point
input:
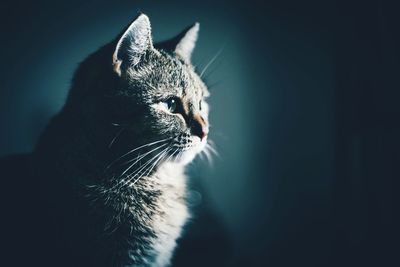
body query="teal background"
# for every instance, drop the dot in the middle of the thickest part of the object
(304, 113)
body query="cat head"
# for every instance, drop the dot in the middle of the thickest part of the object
(149, 97)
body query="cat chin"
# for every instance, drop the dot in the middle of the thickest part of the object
(187, 156)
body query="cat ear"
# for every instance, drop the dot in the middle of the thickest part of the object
(187, 42)
(133, 44)
(182, 44)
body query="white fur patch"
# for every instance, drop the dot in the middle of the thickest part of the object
(172, 211)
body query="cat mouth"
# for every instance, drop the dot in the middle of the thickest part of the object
(195, 145)
(186, 152)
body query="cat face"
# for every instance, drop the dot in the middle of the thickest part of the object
(161, 86)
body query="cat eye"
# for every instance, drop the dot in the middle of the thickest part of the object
(200, 105)
(172, 104)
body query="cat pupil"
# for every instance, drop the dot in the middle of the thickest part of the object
(171, 103)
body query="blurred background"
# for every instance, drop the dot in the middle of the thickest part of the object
(304, 112)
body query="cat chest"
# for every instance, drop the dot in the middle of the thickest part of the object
(167, 226)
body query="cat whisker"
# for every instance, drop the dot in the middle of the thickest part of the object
(211, 61)
(141, 157)
(116, 136)
(140, 167)
(140, 170)
(179, 155)
(208, 151)
(170, 156)
(201, 156)
(135, 149)
(154, 165)
(211, 146)
(162, 157)
(208, 155)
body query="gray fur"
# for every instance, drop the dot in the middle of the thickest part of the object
(116, 105)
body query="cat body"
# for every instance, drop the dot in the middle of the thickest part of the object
(106, 183)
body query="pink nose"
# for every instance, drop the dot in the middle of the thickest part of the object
(199, 127)
(204, 133)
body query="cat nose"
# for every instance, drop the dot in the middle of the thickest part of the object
(199, 127)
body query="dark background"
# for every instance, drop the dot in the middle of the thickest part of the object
(305, 116)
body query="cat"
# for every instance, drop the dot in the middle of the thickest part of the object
(106, 184)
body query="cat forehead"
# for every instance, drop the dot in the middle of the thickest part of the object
(165, 74)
